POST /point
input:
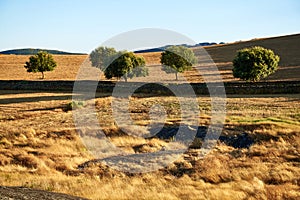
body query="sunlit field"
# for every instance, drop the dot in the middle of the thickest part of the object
(41, 149)
(257, 155)
(12, 66)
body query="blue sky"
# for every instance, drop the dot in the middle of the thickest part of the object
(80, 26)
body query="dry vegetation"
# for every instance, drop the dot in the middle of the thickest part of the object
(13, 67)
(287, 47)
(41, 149)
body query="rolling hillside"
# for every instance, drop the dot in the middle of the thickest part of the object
(288, 48)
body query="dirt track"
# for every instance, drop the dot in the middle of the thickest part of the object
(20, 193)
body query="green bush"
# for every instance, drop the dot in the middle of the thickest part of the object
(74, 105)
(41, 62)
(102, 56)
(177, 59)
(118, 63)
(126, 65)
(252, 64)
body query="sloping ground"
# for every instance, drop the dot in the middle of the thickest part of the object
(288, 47)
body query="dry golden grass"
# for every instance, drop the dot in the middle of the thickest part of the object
(287, 47)
(151, 58)
(41, 149)
(13, 67)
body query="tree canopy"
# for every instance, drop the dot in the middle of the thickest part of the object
(177, 59)
(118, 63)
(126, 65)
(252, 64)
(41, 62)
(102, 56)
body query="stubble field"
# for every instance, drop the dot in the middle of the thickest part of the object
(41, 149)
(287, 47)
(256, 157)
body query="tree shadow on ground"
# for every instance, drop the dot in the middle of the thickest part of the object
(34, 99)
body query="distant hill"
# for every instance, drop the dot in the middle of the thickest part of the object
(29, 51)
(287, 47)
(158, 49)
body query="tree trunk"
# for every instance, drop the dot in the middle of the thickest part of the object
(43, 75)
(176, 74)
(125, 78)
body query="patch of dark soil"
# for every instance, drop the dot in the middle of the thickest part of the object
(167, 132)
(22, 193)
(241, 140)
(259, 138)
